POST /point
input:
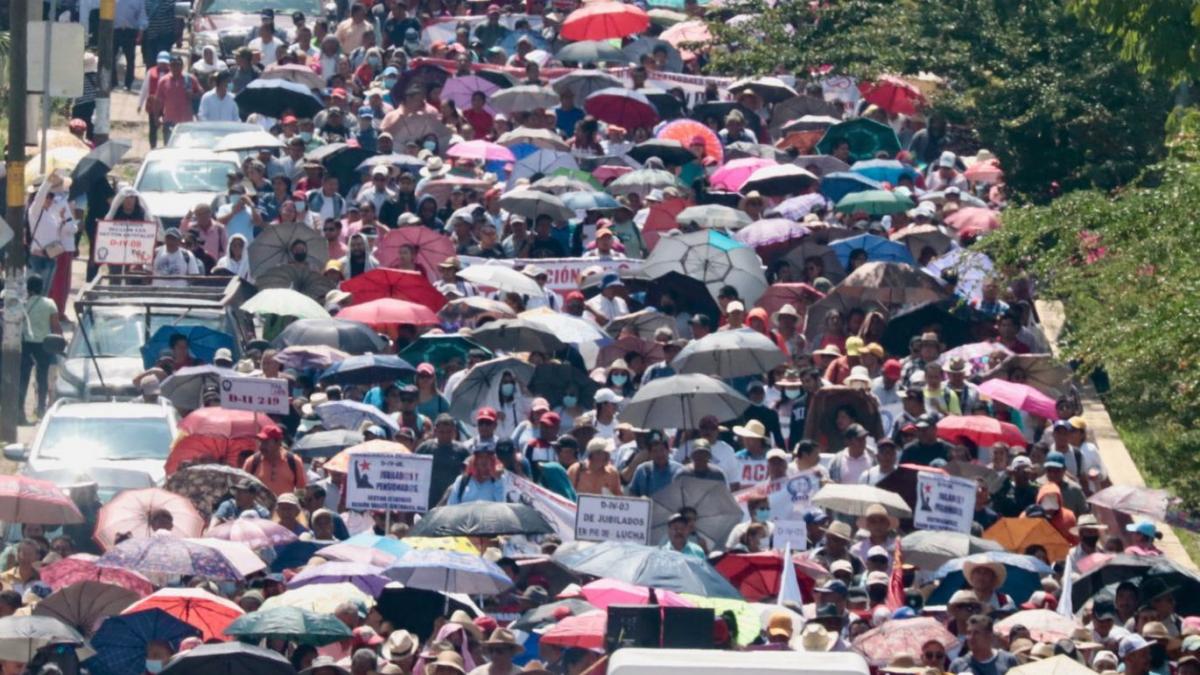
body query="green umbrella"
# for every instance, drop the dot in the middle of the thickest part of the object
(285, 302)
(289, 623)
(874, 202)
(867, 137)
(438, 349)
(579, 175)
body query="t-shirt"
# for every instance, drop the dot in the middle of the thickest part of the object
(447, 465)
(751, 471)
(38, 312)
(916, 453)
(177, 264)
(847, 470)
(723, 457)
(999, 664)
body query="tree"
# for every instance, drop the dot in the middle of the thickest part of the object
(1162, 36)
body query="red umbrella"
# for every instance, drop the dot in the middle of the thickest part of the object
(429, 248)
(757, 576)
(892, 94)
(982, 431)
(797, 295)
(198, 449)
(129, 514)
(973, 221)
(224, 423)
(37, 502)
(987, 171)
(686, 130)
(625, 107)
(83, 567)
(207, 612)
(386, 312)
(661, 219)
(906, 636)
(383, 282)
(604, 21)
(585, 631)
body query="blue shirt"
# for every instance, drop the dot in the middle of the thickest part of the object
(131, 14)
(491, 491)
(565, 120)
(689, 549)
(648, 479)
(228, 510)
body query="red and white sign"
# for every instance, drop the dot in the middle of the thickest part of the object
(562, 273)
(125, 242)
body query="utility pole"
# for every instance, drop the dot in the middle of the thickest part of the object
(14, 264)
(104, 71)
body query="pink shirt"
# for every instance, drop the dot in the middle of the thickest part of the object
(214, 238)
(175, 94)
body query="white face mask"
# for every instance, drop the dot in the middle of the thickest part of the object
(1049, 503)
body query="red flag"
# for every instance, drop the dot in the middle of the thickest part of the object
(895, 596)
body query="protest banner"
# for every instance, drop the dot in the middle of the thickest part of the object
(125, 242)
(792, 533)
(556, 508)
(562, 273)
(388, 481)
(259, 394)
(624, 519)
(944, 502)
(792, 496)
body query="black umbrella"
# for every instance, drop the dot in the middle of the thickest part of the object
(550, 613)
(295, 554)
(342, 161)
(96, 165)
(1153, 577)
(941, 317)
(482, 519)
(326, 443)
(229, 658)
(422, 76)
(416, 609)
(691, 295)
(551, 380)
(351, 337)
(275, 97)
(516, 335)
(367, 369)
(670, 152)
(498, 78)
(668, 106)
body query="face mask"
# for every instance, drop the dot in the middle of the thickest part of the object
(620, 380)
(306, 136)
(227, 588)
(762, 515)
(570, 401)
(389, 82)
(1091, 541)
(300, 256)
(374, 62)
(154, 666)
(791, 393)
(430, 145)
(507, 389)
(1049, 503)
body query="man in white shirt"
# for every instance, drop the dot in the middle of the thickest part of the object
(852, 462)
(604, 247)
(174, 261)
(548, 298)
(608, 305)
(723, 456)
(217, 104)
(267, 44)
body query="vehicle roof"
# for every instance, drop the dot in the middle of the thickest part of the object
(703, 661)
(222, 124)
(197, 154)
(123, 410)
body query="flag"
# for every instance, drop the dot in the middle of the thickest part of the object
(1065, 606)
(789, 587)
(895, 596)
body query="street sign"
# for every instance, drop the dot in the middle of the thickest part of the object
(66, 58)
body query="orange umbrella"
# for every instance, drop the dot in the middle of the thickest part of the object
(341, 461)
(196, 607)
(129, 513)
(1018, 534)
(686, 130)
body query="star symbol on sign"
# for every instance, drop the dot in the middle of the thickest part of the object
(364, 465)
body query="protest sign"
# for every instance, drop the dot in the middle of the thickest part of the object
(751, 470)
(944, 502)
(388, 481)
(562, 273)
(259, 394)
(793, 495)
(624, 519)
(561, 512)
(125, 242)
(790, 532)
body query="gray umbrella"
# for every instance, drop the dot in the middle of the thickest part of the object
(730, 353)
(643, 182)
(928, 549)
(22, 636)
(524, 98)
(535, 203)
(478, 387)
(717, 512)
(648, 566)
(713, 217)
(482, 519)
(584, 82)
(185, 387)
(273, 247)
(326, 443)
(591, 51)
(516, 335)
(644, 323)
(647, 45)
(680, 401)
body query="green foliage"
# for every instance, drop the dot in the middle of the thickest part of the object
(1024, 79)
(1161, 36)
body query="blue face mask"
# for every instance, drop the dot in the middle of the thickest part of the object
(430, 146)
(570, 401)
(507, 389)
(620, 380)
(389, 82)
(762, 515)
(306, 136)
(791, 393)
(154, 666)
(374, 62)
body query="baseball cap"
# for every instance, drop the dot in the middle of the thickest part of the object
(877, 552)
(1144, 528)
(891, 369)
(1130, 644)
(550, 419)
(1019, 462)
(1055, 460)
(271, 433)
(924, 422)
(878, 579)
(488, 414)
(539, 403)
(833, 586)
(606, 395)
(223, 355)
(841, 566)
(163, 57)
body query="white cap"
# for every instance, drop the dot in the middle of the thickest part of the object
(223, 354)
(735, 306)
(606, 395)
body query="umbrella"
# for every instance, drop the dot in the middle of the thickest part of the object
(780, 180)
(534, 204)
(584, 631)
(713, 217)
(549, 614)
(972, 268)
(874, 202)
(383, 282)
(616, 105)
(566, 180)
(463, 311)
(1020, 396)
(341, 160)
(973, 221)
(981, 430)
(906, 636)
(919, 237)
(275, 97)
(822, 165)
(253, 531)
(687, 33)
(604, 21)
(437, 349)
(567, 328)
(290, 623)
(836, 186)
(884, 170)
(588, 201)
(517, 335)
(538, 138)
(430, 248)
(325, 443)
(385, 549)
(769, 89)
(230, 658)
(243, 559)
(482, 519)
(671, 152)
(667, 105)
(284, 302)
(583, 82)
(481, 151)
(745, 149)
(854, 500)
(757, 576)
(206, 485)
(930, 549)
(643, 323)
(128, 515)
(541, 163)
(81, 568)
(823, 406)
(524, 98)
(352, 415)
(403, 162)
(449, 572)
(195, 606)
(340, 462)
(642, 182)
(684, 131)
(311, 357)
(304, 280)
(734, 173)
(729, 354)
(387, 313)
(348, 336)
(938, 317)
(319, 598)
(83, 605)
(1018, 534)
(712, 257)
(648, 566)
(1045, 625)
(982, 356)
(22, 636)
(772, 237)
(1023, 576)
(717, 512)
(463, 88)
(62, 160)
(650, 351)
(680, 401)
(691, 295)
(248, 140)
(477, 388)
(867, 138)
(96, 165)
(502, 278)
(1134, 500)
(368, 369)
(892, 94)
(293, 72)
(648, 45)
(163, 555)
(120, 642)
(39, 502)
(797, 208)
(273, 246)
(367, 578)
(1152, 575)
(988, 171)
(1040, 371)
(603, 593)
(591, 51)
(798, 295)
(415, 127)
(551, 381)
(203, 343)
(417, 610)
(1059, 664)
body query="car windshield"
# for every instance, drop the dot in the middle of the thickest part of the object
(105, 438)
(122, 333)
(281, 7)
(190, 175)
(205, 136)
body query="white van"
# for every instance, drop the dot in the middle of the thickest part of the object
(636, 661)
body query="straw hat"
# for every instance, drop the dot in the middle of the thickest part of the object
(448, 659)
(814, 638)
(752, 429)
(434, 168)
(502, 637)
(997, 568)
(876, 511)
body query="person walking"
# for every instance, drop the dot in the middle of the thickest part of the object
(41, 321)
(176, 92)
(128, 23)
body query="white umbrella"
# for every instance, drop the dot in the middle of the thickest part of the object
(713, 258)
(449, 572)
(567, 328)
(730, 353)
(540, 138)
(541, 162)
(680, 401)
(285, 302)
(242, 557)
(22, 636)
(714, 217)
(481, 381)
(247, 140)
(854, 500)
(523, 98)
(534, 204)
(501, 278)
(643, 182)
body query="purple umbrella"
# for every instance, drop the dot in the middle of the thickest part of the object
(367, 578)
(461, 89)
(253, 531)
(798, 207)
(309, 357)
(769, 232)
(164, 555)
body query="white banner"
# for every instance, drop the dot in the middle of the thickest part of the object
(557, 509)
(388, 481)
(793, 533)
(125, 242)
(563, 273)
(944, 502)
(625, 519)
(259, 394)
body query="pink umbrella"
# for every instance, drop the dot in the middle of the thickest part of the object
(482, 151)
(253, 531)
(973, 220)
(987, 171)
(431, 248)
(905, 636)
(582, 630)
(605, 592)
(461, 89)
(1044, 625)
(390, 312)
(610, 172)
(892, 94)
(798, 295)
(765, 236)
(978, 354)
(686, 32)
(40, 502)
(1020, 396)
(625, 107)
(129, 514)
(734, 174)
(82, 567)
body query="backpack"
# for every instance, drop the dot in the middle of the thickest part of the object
(256, 464)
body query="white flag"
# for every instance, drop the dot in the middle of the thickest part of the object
(789, 587)
(1065, 606)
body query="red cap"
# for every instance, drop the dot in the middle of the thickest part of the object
(271, 433)
(365, 636)
(550, 419)
(488, 414)
(575, 295)
(697, 140)
(338, 92)
(289, 119)
(486, 623)
(891, 368)
(425, 369)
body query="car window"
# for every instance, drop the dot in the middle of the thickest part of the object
(105, 438)
(185, 176)
(281, 7)
(124, 333)
(205, 135)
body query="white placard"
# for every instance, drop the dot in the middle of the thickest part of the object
(794, 532)
(388, 481)
(125, 242)
(944, 502)
(790, 497)
(625, 519)
(66, 58)
(259, 394)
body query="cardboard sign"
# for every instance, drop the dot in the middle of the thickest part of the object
(388, 481)
(259, 394)
(601, 518)
(793, 495)
(790, 532)
(944, 503)
(125, 242)
(563, 273)
(752, 471)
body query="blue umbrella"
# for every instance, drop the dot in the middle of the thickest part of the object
(295, 554)
(390, 546)
(367, 369)
(449, 572)
(649, 566)
(351, 415)
(1023, 575)
(509, 43)
(837, 185)
(972, 267)
(588, 201)
(887, 170)
(120, 643)
(203, 342)
(878, 249)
